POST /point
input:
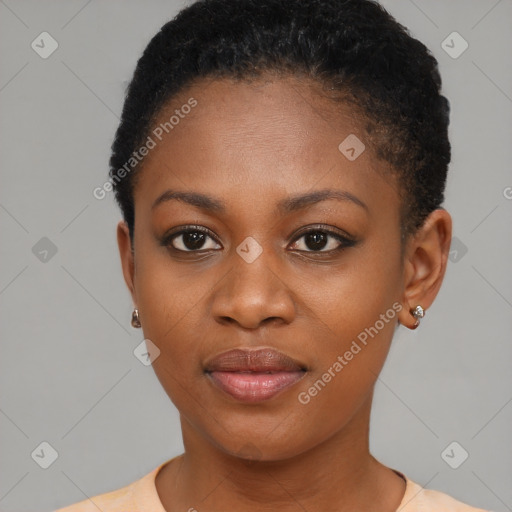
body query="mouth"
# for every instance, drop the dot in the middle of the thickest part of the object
(254, 375)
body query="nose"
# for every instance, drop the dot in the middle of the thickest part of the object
(253, 294)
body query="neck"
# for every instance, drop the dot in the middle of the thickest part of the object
(339, 474)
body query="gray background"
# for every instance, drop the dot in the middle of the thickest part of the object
(68, 373)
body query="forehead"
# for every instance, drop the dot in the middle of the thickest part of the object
(287, 109)
(273, 134)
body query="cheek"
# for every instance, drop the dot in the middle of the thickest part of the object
(173, 304)
(349, 298)
(167, 292)
(352, 317)
(343, 376)
(346, 366)
(169, 305)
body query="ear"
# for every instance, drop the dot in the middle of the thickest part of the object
(127, 257)
(425, 261)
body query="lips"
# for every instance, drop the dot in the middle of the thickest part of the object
(253, 375)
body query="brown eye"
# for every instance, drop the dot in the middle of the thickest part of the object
(322, 240)
(191, 240)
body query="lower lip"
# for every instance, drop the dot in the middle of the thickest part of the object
(254, 386)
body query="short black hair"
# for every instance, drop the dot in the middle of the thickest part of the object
(355, 47)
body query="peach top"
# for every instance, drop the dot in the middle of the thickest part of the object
(142, 496)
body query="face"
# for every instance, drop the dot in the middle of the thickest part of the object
(295, 249)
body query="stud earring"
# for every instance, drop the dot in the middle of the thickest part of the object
(418, 313)
(135, 319)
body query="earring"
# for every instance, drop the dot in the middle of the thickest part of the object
(135, 319)
(418, 312)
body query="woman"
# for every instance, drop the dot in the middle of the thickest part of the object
(280, 167)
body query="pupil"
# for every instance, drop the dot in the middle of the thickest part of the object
(193, 240)
(316, 240)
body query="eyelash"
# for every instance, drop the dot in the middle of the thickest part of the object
(345, 240)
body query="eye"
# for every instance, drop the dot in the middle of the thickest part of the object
(191, 239)
(317, 240)
(322, 240)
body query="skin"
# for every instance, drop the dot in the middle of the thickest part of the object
(251, 146)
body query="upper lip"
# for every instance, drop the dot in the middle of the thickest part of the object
(253, 360)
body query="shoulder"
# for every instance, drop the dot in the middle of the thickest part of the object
(138, 496)
(110, 501)
(418, 499)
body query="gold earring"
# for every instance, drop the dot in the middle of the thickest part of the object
(135, 319)
(418, 313)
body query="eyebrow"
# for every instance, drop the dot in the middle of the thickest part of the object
(288, 205)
